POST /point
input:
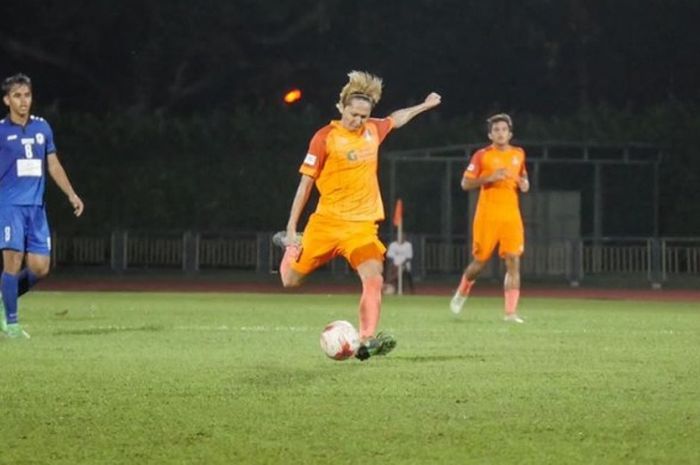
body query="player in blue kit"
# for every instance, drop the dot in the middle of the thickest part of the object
(27, 153)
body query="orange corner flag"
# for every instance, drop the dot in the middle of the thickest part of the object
(398, 213)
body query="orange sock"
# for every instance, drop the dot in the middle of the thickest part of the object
(465, 286)
(291, 253)
(370, 305)
(512, 296)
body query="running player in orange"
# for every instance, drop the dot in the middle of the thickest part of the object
(499, 172)
(342, 163)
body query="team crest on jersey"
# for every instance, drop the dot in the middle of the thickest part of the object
(39, 138)
(352, 155)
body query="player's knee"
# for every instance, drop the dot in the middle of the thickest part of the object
(41, 272)
(373, 280)
(371, 271)
(475, 267)
(512, 264)
(39, 267)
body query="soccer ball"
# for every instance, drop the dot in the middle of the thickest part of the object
(340, 340)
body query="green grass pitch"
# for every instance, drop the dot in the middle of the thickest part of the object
(176, 378)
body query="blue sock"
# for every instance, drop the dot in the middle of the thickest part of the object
(25, 280)
(8, 286)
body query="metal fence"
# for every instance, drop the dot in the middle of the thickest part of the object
(428, 180)
(657, 260)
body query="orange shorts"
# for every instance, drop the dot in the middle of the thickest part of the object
(507, 233)
(326, 238)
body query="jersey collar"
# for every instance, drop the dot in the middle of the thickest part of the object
(338, 125)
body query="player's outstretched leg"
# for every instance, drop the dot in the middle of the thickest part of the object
(25, 280)
(8, 284)
(370, 305)
(511, 306)
(511, 290)
(461, 295)
(291, 253)
(370, 309)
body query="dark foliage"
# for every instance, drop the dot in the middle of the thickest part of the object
(169, 114)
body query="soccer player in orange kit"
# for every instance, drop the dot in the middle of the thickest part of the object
(342, 162)
(499, 172)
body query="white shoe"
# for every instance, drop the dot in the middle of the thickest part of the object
(514, 318)
(280, 239)
(457, 303)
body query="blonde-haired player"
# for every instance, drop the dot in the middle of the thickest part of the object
(499, 172)
(342, 162)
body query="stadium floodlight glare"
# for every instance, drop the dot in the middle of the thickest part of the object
(293, 96)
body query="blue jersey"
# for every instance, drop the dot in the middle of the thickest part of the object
(23, 152)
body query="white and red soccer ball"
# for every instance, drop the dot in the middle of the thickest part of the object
(340, 340)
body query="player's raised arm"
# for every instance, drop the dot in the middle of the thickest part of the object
(405, 115)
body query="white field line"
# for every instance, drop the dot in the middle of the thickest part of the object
(249, 329)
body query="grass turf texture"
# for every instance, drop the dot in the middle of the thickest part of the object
(112, 378)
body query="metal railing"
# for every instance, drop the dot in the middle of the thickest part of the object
(659, 259)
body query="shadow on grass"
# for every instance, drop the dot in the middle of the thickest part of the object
(107, 330)
(437, 358)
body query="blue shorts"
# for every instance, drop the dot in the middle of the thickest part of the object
(25, 228)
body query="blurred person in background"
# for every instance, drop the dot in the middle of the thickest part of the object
(400, 253)
(499, 172)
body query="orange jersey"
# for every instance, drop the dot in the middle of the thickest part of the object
(344, 165)
(501, 196)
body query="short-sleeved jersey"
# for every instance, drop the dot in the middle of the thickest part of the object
(500, 197)
(23, 152)
(344, 166)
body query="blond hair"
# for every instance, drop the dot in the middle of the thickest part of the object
(362, 85)
(497, 118)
